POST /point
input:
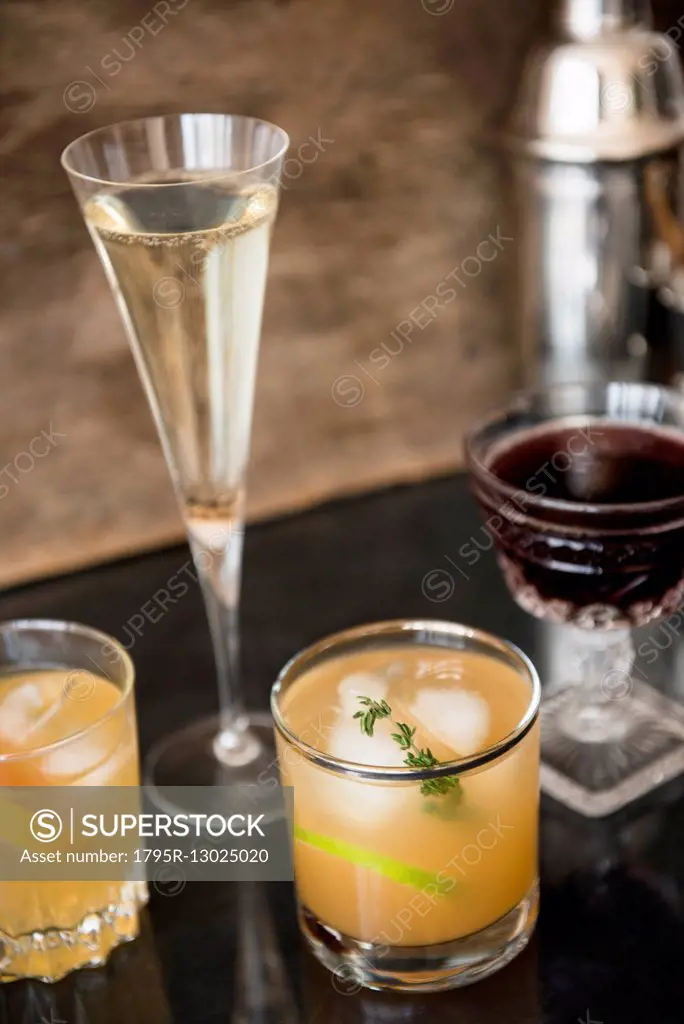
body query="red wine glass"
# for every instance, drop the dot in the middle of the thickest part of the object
(582, 491)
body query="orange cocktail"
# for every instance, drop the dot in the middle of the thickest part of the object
(67, 718)
(413, 750)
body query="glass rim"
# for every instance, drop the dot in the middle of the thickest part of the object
(68, 626)
(67, 152)
(525, 398)
(292, 670)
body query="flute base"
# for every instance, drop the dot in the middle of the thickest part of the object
(187, 757)
(597, 758)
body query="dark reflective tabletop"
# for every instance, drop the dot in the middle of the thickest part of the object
(610, 942)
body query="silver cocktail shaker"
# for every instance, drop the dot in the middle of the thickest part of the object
(598, 134)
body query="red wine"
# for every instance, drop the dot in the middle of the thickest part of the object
(610, 463)
(604, 556)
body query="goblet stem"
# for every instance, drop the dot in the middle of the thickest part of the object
(602, 663)
(217, 554)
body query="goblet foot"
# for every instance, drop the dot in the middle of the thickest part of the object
(599, 757)
(188, 757)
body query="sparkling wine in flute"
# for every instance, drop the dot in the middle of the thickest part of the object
(188, 269)
(181, 209)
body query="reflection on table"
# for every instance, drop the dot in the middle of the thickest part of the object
(129, 989)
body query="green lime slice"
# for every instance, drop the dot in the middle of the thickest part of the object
(399, 872)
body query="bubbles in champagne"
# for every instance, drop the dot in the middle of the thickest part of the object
(188, 264)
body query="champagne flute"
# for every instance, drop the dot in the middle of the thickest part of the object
(181, 209)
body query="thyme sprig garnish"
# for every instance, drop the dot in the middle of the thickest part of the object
(374, 710)
(416, 757)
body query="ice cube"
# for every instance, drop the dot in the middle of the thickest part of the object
(360, 684)
(73, 758)
(104, 773)
(355, 799)
(347, 742)
(365, 803)
(19, 712)
(445, 669)
(359, 800)
(457, 717)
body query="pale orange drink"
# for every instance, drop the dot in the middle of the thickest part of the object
(413, 751)
(69, 724)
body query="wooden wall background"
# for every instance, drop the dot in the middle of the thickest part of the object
(409, 94)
